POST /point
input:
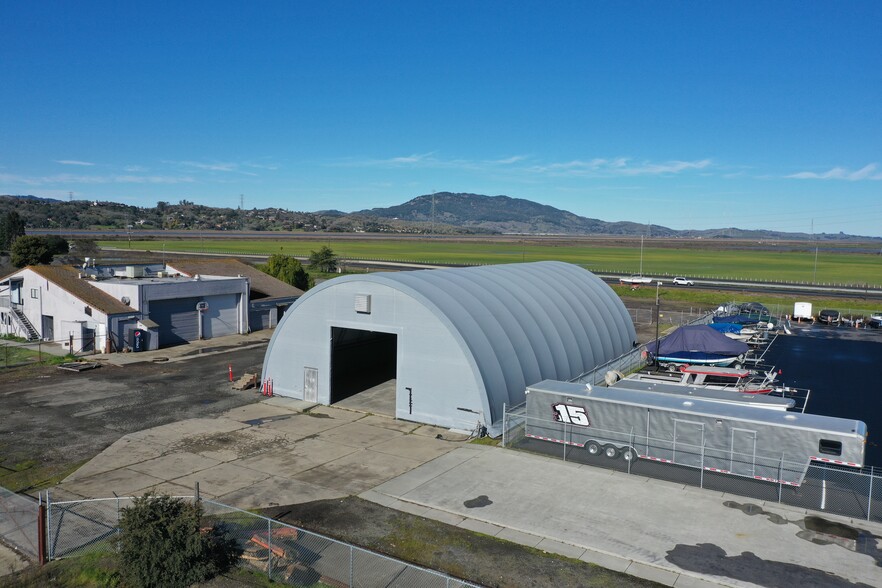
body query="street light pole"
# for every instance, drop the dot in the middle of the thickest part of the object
(657, 314)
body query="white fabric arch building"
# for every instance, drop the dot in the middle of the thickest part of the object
(458, 342)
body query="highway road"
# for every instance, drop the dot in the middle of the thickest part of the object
(825, 290)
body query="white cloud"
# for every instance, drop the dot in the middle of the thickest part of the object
(72, 162)
(93, 179)
(225, 167)
(619, 166)
(868, 172)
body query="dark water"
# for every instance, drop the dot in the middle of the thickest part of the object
(843, 369)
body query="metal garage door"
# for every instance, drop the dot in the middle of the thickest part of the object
(222, 316)
(177, 319)
(259, 319)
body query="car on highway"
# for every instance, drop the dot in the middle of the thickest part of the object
(875, 320)
(681, 281)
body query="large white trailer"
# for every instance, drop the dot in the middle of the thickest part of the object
(771, 445)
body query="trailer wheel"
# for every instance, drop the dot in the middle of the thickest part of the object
(628, 454)
(611, 451)
(593, 448)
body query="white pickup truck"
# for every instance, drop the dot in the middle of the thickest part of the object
(681, 281)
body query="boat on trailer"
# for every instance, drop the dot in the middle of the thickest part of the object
(697, 345)
(722, 378)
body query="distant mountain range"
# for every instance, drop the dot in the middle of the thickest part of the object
(439, 213)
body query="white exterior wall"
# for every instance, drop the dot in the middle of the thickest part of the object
(64, 308)
(430, 359)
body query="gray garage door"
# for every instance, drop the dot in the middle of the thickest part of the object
(222, 316)
(177, 320)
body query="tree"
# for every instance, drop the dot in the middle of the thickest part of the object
(57, 245)
(30, 250)
(163, 544)
(289, 270)
(323, 260)
(11, 228)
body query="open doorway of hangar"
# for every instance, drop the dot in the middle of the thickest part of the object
(363, 369)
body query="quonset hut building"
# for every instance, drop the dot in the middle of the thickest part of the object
(458, 342)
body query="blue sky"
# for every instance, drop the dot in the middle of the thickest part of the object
(684, 114)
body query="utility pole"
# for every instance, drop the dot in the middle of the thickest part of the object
(432, 230)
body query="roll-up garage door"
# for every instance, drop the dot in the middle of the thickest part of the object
(177, 319)
(222, 316)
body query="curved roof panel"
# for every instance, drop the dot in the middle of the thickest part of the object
(522, 323)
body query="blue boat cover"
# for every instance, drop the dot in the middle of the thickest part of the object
(699, 338)
(726, 327)
(742, 319)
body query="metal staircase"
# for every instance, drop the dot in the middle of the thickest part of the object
(25, 324)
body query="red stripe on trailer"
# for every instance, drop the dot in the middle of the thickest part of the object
(553, 440)
(649, 457)
(718, 470)
(836, 461)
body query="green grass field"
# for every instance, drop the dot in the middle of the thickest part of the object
(838, 268)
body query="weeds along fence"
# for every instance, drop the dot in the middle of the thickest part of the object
(827, 488)
(285, 553)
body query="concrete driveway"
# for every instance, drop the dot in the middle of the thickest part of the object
(275, 452)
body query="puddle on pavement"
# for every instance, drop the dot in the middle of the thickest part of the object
(202, 350)
(753, 509)
(478, 502)
(260, 421)
(821, 531)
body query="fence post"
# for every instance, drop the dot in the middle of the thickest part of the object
(269, 542)
(870, 495)
(49, 524)
(780, 478)
(632, 448)
(504, 423)
(701, 475)
(351, 564)
(41, 532)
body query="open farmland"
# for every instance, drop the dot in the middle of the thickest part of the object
(697, 259)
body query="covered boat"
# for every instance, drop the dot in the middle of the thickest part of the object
(698, 345)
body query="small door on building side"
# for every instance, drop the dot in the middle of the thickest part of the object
(48, 328)
(88, 339)
(310, 384)
(688, 442)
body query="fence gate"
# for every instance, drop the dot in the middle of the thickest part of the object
(310, 384)
(688, 442)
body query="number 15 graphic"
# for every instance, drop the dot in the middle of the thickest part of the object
(572, 415)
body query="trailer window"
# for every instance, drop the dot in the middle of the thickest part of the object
(830, 447)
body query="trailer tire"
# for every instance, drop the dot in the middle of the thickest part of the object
(628, 454)
(611, 451)
(593, 448)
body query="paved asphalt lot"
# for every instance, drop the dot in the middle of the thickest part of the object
(54, 418)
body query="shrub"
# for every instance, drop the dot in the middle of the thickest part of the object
(163, 546)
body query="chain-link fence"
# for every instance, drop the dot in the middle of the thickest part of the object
(647, 316)
(18, 522)
(285, 553)
(831, 488)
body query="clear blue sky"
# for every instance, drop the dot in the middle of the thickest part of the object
(684, 114)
